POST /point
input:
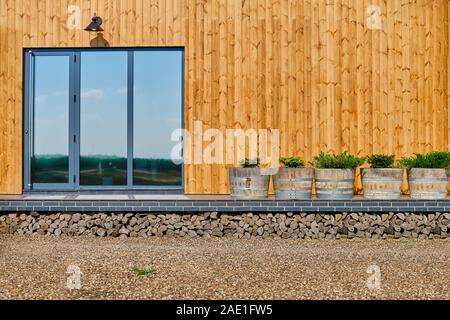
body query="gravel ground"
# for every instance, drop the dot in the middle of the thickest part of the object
(35, 268)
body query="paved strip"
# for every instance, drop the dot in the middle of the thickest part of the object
(190, 205)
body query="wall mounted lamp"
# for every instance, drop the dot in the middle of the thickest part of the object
(95, 24)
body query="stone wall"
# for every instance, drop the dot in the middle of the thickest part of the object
(247, 225)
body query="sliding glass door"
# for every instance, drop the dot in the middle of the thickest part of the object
(157, 101)
(102, 119)
(49, 122)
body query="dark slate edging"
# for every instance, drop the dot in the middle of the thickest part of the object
(356, 205)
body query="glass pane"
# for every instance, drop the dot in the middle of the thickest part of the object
(50, 153)
(157, 112)
(103, 118)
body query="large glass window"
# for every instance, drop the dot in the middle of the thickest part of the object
(102, 118)
(157, 113)
(50, 139)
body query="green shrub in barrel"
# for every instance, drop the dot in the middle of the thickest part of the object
(248, 182)
(335, 175)
(427, 174)
(293, 181)
(382, 181)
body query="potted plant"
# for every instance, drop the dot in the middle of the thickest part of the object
(293, 180)
(382, 180)
(427, 175)
(248, 182)
(335, 175)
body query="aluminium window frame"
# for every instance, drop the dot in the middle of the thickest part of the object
(28, 120)
(74, 120)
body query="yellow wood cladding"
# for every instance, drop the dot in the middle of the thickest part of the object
(327, 73)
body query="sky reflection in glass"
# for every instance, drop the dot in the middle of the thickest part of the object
(103, 118)
(50, 159)
(157, 113)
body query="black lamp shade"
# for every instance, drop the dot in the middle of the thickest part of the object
(94, 26)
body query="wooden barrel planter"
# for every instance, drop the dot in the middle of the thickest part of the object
(293, 183)
(334, 183)
(428, 184)
(382, 183)
(447, 171)
(248, 183)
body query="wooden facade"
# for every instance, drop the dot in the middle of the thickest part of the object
(314, 69)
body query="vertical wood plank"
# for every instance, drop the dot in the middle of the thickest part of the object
(309, 68)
